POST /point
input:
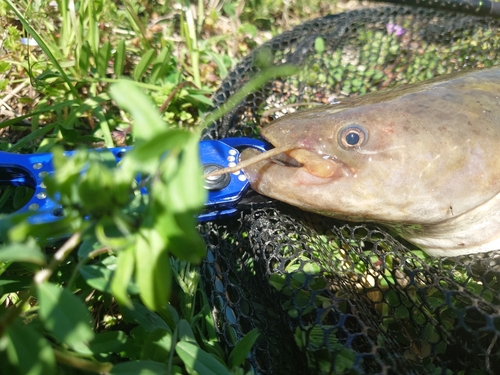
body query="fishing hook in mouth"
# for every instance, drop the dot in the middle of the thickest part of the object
(288, 156)
(257, 158)
(286, 161)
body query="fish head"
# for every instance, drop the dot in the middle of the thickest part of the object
(405, 161)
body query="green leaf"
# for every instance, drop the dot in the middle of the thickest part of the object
(84, 58)
(108, 342)
(264, 58)
(147, 121)
(185, 180)
(249, 28)
(123, 274)
(10, 284)
(29, 351)
(319, 45)
(41, 43)
(120, 59)
(158, 346)
(103, 58)
(154, 148)
(146, 318)
(64, 315)
(139, 368)
(87, 247)
(198, 360)
(186, 332)
(143, 65)
(161, 65)
(4, 66)
(201, 99)
(219, 60)
(22, 252)
(184, 240)
(42, 231)
(152, 273)
(242, 348)
(183, 197)
(97, 276)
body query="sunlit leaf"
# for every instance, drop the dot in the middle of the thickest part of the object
(200, 99)
(242, 348)
(185, 331)
(156, 147)
(161, 65)
(108, 342)
(198, 360)
(153, 273)
(143, 65)
(158, 346)
(29, 351)
(122, 276)
(120, 56)
(97, 276)
(147, 121)
(102, 58)
(64, 315)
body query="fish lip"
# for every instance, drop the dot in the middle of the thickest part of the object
(322, 166)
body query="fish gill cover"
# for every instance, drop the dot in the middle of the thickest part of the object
(352, 298)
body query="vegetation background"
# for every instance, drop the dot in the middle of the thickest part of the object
(114, 286)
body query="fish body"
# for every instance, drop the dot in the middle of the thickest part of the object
(423, 159)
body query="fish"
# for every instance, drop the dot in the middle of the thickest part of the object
(422, 159)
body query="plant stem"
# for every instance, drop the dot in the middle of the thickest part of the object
(84, 261)
(82, 364)
(258, 81)
(61, 254)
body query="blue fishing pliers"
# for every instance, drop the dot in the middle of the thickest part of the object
(224, 191)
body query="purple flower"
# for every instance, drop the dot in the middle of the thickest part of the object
(392, 28)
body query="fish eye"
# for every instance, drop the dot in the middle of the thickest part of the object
(352, 136)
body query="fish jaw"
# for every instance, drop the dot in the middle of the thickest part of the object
(271, 179)
(476, 231)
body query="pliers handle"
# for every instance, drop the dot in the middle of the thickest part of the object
(224, 192)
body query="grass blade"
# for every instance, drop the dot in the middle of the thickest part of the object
(120, 59)
(44, 47)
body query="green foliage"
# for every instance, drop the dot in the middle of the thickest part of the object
(113, 287)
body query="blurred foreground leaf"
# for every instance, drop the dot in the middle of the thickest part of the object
(65, 315)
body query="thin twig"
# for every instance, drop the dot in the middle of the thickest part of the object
(181, 85)
(61, 254)
(3, 101)
(81, 363)
(255, 159)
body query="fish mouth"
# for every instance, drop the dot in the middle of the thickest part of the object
(322, 166)
(311, 162)
(300, 165)
(286, 161)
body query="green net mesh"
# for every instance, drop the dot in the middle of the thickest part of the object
(331, 297)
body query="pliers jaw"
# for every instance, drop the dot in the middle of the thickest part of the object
(225, 191)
